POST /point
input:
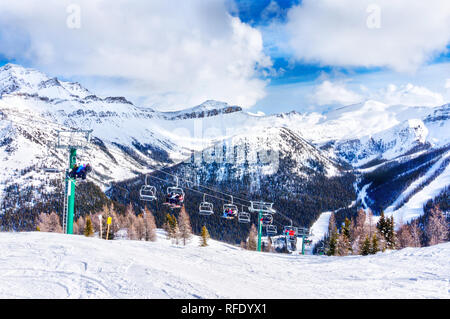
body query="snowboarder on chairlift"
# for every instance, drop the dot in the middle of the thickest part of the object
(83, 170)
(73, 172)
(80, 171)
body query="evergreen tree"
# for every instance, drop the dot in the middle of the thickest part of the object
(365, 248)
(167, 226)
(344, 244)
(390, 233)
(88, 228)
(346, 228)
(374, 248)
(333, 243)
(204, 237)
(382, 225)
(172, 229)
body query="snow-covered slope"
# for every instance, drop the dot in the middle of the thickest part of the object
(55, 266)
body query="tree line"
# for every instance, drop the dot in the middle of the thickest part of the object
(362, 236)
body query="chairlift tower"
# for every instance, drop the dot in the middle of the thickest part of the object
(304, 233)
(71, 140)
(260, 208)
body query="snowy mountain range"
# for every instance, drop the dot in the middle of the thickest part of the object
(362, 139)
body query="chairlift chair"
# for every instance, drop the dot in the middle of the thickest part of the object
(290, 231)
(263, 207)
(205, 207)
(243, 217)
(267, 219)
(148, 193)
(175, 191)
(230, 211)
(303, 232)
(271, 230)
(50, 170)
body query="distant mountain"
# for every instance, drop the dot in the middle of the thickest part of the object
(322, 160)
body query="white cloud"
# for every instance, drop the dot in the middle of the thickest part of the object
(447, 84)
(410, 95)
(343, 33)
(328, 93)
(165, 54)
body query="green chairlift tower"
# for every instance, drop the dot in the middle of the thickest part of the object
(260, 208)
(71, 140)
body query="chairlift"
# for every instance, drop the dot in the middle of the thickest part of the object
(271, 230)
(264, 207)
(175, 196)
(230, 210)
(303, 232)
(243, 217)
(147, 193)
(50, 170)
(205, 207)
(267, 219)
(290, 232)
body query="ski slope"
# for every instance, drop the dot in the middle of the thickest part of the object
(56, 266)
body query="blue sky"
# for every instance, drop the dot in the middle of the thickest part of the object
(322, 53)
(287, 89)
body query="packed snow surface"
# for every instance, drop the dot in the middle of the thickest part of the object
(47, 265)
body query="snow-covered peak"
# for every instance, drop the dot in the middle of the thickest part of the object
(17, 79)
(206, 109)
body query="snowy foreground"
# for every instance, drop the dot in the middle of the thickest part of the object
(47, 265)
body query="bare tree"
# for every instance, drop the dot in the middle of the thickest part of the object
(54, 225)
(80, 223)
(404, 237)
(436, 229)
(358, 230)
(139, 227)
(251, 240)
(185, 226)
(150, 225)
(416, 234)
(43, 222)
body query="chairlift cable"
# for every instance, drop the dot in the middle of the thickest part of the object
(200, 185)
(194, 190)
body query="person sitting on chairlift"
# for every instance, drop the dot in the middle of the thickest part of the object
(169, 198)
(73, 172)
(176, 199)
(80, 171)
